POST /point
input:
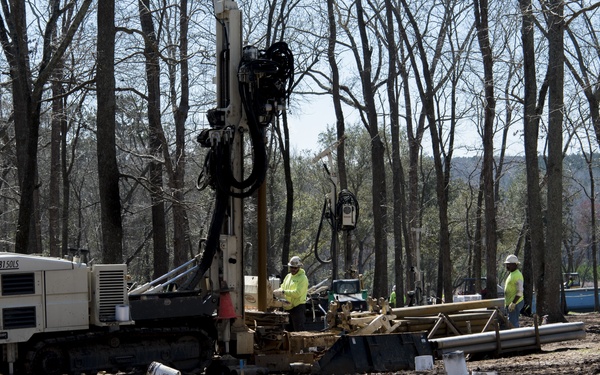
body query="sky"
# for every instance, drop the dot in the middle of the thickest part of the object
(308, 121)
(313, 117)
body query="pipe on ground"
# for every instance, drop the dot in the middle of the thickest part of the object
(522, 337)
(517, 343)
(511, 334)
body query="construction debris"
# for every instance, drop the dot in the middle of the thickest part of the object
(386, 340)
(438, 320)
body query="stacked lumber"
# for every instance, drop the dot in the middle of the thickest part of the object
(442, 320)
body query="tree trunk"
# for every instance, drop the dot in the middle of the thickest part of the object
(397, 170)
(478, 242)
(108, 171)
(379, 194)
(442, 168)
(59, 125)
(26, 120)
(66, 186)
(589, 159)
(426, 92)
(58, 117)
(412, 223)
(284, 145)
(550, 305)
(531, 131)
(594, 238)
(27, 96)
(183, 248)
(481, 23)
(159, 226)
(339, 123)
(592, 94)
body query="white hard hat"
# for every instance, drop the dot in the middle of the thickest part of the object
(295, 262)
(512, 259)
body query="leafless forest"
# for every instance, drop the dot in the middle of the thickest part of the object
(101, 104)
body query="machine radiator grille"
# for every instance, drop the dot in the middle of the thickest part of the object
(17, 284)
(111, 292)
(18, 317)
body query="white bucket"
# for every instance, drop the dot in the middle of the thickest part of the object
(423, 363)
(122, 313)
(455, 364)
(156, 368)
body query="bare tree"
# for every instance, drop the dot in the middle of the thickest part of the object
(581, 65)
(339, 117)
(108, 170)
(531, 120)
(398, 180)
(68, 149)
(591, 195)
(427, 91)
(64, 81)
(481, 22)
(549, 303)
(585, 78)
(279, 15)
(379, 193)
(151, 52)
(58, 118)
(412, 224)
(27, 95)
(181, 226)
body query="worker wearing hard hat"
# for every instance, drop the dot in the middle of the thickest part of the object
(293, 289)
(393, 297)
(513, 290)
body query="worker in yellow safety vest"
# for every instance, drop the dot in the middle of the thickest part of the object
(293, 289)
(513, 290)
(393, 297)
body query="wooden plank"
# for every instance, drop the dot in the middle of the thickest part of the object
(446, 308)
(483, 315)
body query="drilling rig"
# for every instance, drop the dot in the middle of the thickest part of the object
(253, 86)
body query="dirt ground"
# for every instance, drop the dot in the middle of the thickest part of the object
(576, 357)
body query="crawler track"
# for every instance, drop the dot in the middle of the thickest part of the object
(128, 349)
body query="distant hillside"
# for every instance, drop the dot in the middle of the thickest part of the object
(574, 169)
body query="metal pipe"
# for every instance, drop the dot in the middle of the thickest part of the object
(511, 334)
(261, 218)
(141, 289)
(160, 286)
(516, 343)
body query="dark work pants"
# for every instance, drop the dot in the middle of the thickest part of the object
(297, 318)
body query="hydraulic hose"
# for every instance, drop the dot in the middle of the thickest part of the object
(211, 243)
(323, 215)
(265, 82)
